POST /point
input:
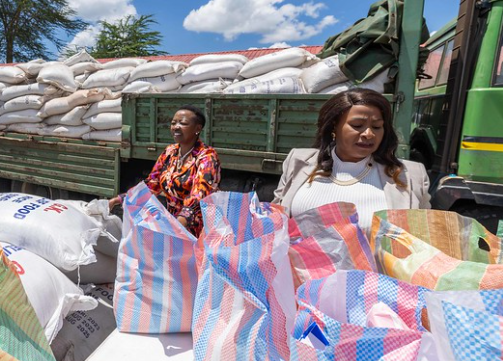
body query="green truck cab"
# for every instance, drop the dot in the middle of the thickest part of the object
(457, 122)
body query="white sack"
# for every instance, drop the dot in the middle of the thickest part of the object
(288, 72)
(291, 85)
(84, 331)
(28, 89)
(2, 127)
(207, 86)
(110, 135)
(104, 121)
(119, 63)
(104, 106)
(163, 83)
(337, 88)
(80, 97)
(59, 75)
(59, 233)
(26, 128)
(292, 57)
(139, 86)
(88, 66)
(323, 74)
(67, 131)
(108, 78)
(157, 68)
(2, 87)
(73, 117)
(22, 116)
(51, 293)
(32, 68)
(218, 58)
(201, 72)
(22, 103)
(12, 75)
(81, 57)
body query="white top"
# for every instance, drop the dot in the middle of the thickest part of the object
(367, 194)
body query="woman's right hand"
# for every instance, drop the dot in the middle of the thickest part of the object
(113, 202)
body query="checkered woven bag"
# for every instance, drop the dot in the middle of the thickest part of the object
(331, 322)
(245, 301)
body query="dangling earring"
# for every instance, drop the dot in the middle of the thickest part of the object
(333, 136)
(197, 133)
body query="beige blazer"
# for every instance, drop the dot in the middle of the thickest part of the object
(302, 161)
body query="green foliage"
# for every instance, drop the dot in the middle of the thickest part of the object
(25, 25)
(128, 37)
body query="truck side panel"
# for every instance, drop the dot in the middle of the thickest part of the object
(73, 166)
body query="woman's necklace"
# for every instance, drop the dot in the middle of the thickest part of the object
(181, 159)
(352, 181)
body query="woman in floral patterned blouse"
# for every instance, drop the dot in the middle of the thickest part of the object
(186, 171)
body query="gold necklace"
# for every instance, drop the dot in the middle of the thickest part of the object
(352, 181)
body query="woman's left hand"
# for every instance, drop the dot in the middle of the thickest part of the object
(183, 221)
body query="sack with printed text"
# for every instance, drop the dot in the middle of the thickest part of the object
(244, 305)
(436, 249)
(22, 337)
(49, 291)
(57, 232)
(156, 273)
(360, 316)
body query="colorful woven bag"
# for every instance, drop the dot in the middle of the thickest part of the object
(21, 335)
(156, 269)
(325, 239)
(467, 257)
(245, 301)
(468, 325)
(332, 319)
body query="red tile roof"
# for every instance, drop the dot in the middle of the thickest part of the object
(250, 54)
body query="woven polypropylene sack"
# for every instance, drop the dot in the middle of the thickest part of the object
(21, 335)
(244, 304)
(156, 271)
(325, 239)
(405, 244)
(334, 312)
(467, 324)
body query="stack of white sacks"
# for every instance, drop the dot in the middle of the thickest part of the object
(81, 98)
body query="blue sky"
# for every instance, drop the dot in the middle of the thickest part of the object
(194, 26)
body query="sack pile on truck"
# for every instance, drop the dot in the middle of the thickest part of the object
(80, 97)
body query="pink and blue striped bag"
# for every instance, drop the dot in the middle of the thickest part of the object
(245, 301)
(156, 269)
(325, 239)
(331, 321)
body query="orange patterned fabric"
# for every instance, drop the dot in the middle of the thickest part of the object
(185, 184)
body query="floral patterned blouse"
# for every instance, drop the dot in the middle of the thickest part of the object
(185, 184)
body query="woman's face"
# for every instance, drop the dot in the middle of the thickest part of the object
(359, 133)
(184, 127)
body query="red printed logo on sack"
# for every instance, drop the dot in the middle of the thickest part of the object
(19, 269)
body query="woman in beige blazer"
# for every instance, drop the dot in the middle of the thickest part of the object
(355, 151)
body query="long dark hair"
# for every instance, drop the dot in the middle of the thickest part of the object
(330, 115)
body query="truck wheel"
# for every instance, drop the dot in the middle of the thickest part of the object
(488, 216)
(39, 190)
(418, 155)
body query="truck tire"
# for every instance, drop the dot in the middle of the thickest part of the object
(488, 216)
(5, 185)
(38, 190)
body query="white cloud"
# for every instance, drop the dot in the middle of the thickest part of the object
(93, 11)
(281, 44)
(274, 21)
(109, 10)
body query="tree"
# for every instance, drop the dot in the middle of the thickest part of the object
(27, 25)
(128, 37)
